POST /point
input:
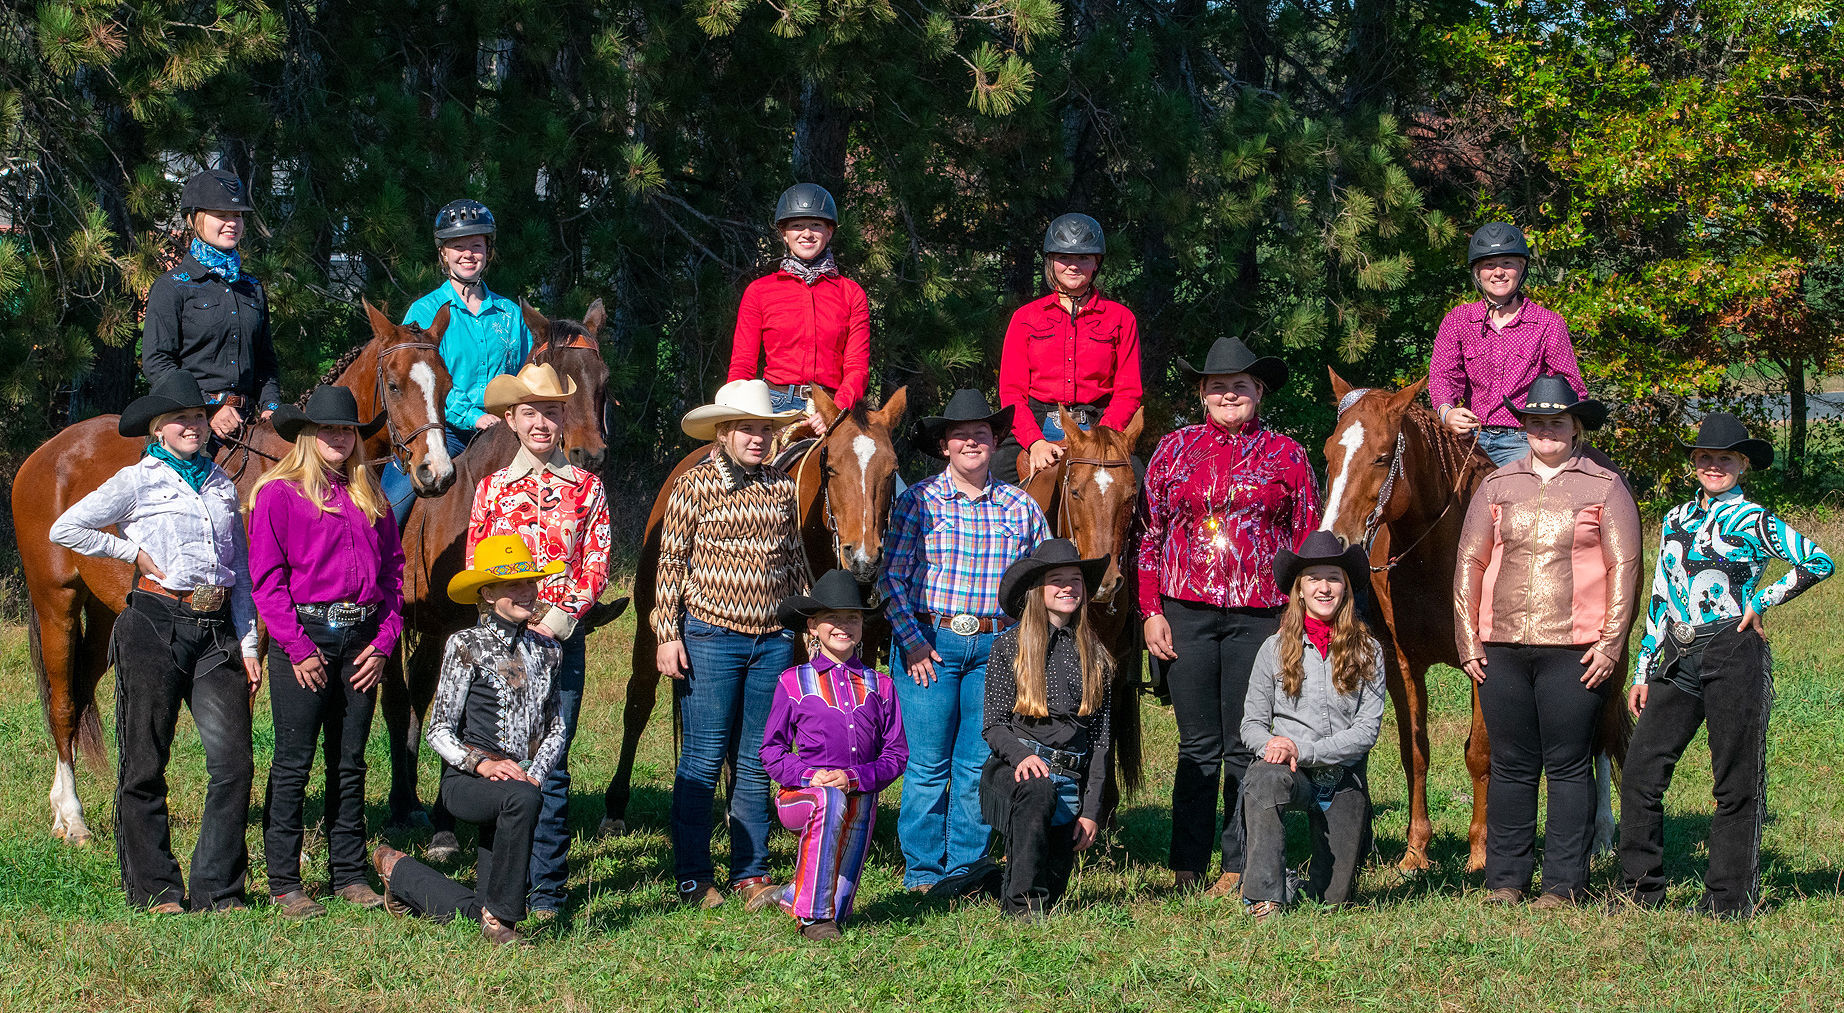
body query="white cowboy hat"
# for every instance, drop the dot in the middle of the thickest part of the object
(736, 401)
(536, 382)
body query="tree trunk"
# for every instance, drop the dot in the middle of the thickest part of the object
(1796, 407)
(822, 133)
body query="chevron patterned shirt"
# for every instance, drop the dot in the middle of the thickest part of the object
(729, 549)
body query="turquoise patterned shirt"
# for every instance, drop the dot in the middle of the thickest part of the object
(476, 348)
(1712, 553)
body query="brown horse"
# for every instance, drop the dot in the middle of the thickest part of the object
(1088, 498)
(1399, 484)
(435, 537)
(846, 482)
(74, 599)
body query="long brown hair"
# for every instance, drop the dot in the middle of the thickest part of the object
(304, 466)
(1034, 647)
(1351, 657)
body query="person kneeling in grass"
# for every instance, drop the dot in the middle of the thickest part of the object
(497, 724)
(834, 740)
(1314, 708)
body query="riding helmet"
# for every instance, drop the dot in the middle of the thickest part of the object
(806, 200)
(214, 190)
(463, 217)
(1074, 233)
(1496, 239)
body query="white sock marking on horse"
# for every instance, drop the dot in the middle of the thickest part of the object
(1351, 440)
(1603, 813)
(66, 811)
(1103, 479)
(439, 463)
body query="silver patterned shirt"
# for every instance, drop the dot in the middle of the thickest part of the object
(497, 696)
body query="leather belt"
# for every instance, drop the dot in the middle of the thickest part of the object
(1685, 634)
(231, 398)
(338, 614)
(793, 389)
(966, 625)
(203, 598)
(1069, 761)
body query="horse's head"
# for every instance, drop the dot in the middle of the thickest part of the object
(859, 456)
(1096, 494)
(571, 348)
(411, 385)
(1359, 455)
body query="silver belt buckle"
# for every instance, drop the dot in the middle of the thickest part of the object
(208, 597)
(343, 614)
(1684, 633)
(964, 624)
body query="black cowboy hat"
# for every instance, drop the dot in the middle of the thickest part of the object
(964, 406)
(1028, 571)
(326, 406)
(1722, 431)
(1230, 355)
(836, 591)
(1322, 548)
(175, 391)
(215, 190)
(1550, 394)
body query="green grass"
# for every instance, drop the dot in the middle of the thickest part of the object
(68, 942)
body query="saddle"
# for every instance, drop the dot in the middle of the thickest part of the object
(789, 457)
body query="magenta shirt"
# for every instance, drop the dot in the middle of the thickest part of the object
(1476, 366)
(828, 716)
(302, 556)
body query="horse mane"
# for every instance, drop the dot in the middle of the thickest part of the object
(340, 365)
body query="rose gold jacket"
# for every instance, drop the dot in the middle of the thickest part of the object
(1548, 563)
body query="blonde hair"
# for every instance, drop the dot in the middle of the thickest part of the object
(1034, 648)
(1352, 659)
(304, 466)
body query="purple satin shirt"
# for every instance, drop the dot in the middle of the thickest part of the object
(301, 556)
(828, 716)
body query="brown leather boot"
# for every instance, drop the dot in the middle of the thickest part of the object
(299, 907)
(385, 860)
(757, 896)
(1184, 882)
(702, 893)
(1263, 910)
(171, 907)
(499, 933)
(822, 930)
(1228, 884)
(360, 895)
(1505, 896)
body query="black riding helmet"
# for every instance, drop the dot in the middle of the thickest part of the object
(464, 217)
(806, 200)
(214, 190)
(1075, 233)
(1497, 239)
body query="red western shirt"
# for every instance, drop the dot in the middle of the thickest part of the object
(818, 333)
(1057, 360)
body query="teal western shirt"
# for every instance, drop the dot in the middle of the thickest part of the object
(476, 347)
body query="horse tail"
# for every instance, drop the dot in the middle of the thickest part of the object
(88, 739)
(1128, 736)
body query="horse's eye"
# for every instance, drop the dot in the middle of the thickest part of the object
(1382, 460)
(393, 388)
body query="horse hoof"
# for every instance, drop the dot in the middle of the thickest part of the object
(80, 840)
(442, 848)
(611, 827)
(1413, 864)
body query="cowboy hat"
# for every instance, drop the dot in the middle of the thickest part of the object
(326, 406)
(1028, 571)
(536, 382)
(175, 391)
(1722, 431)
(1322, 548)
(836, 591)
(1230, 355)
(498, 559)
(1550, 394)
(736, 401)
(964, 406)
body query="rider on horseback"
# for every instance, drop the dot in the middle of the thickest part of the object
(208, 316)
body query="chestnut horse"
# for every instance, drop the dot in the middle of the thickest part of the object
(1400, 483)
(846, 482)
(1088, 496)
(74, 599)
(435, 538)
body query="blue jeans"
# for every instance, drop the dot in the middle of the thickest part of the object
(1052, 425)
(1503, 444)
(723, 713)
(396, 484)
(939, 825)
(786, 402)
(550, 846)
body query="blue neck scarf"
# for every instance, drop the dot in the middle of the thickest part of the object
(227, 263)
(194, 470)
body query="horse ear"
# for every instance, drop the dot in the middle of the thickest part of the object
(439, 325)
(1068, 421)
(535, 322)
(1407, 395)
(894, 406)
(1134, 427)
(380, 324)
(1339, 387)
(595, 318)
(825, 405)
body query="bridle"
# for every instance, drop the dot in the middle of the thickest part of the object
(1374, 522)
(1065, 527)
(400, 445)
(827, 515)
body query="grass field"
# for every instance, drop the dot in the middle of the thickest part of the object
(68, 942)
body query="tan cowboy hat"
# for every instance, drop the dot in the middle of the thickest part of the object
(736, 401)
(536, 382)
(497, 560)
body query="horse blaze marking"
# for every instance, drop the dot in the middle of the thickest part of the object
(865, 448)
(438, 445)
(1351, 440)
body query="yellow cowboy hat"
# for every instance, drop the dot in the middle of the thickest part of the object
(497, 560)
(536, 382)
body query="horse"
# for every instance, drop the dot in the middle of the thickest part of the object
(845, 481)
(1088, 497)
(435, 539)
(73, 599)
(1400, 482)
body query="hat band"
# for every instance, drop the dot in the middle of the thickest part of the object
(509, 569)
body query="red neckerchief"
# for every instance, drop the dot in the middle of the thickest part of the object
(1319, 633)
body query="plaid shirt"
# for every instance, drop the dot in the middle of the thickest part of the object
(944, 552)
(1476, 366)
